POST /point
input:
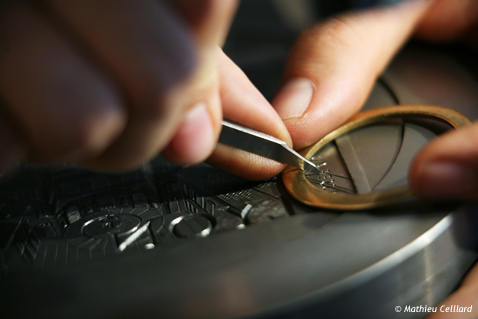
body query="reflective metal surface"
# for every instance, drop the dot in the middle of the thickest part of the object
(263, 144)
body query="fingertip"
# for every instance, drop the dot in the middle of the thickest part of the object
(195, 138)
(446, 167)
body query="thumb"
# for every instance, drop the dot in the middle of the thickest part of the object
(333, 66)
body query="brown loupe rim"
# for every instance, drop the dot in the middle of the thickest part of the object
(299, 186)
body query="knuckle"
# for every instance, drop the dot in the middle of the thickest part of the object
(338, 31)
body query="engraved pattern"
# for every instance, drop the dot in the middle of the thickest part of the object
(65, 216)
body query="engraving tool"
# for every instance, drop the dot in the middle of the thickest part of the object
(263, 144)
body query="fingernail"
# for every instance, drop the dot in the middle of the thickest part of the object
(294, 98)
(446, 180)
(194, 140)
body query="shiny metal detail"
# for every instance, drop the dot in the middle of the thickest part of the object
(191, 226)
(263, 144)
(132, 238)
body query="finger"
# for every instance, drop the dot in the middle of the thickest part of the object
(60, 108)
(149, 53)
(333, 66)
(244, 104)
(464, 296)
(447, 167)
(194, 140)
(198, 132)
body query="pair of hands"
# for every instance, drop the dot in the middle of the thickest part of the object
(109, 84)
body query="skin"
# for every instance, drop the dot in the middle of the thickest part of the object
(109, 84)
(341, 60)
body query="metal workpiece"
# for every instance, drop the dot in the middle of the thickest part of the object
(386, 259)
(321, 190)
(263, 144)
(193, 242)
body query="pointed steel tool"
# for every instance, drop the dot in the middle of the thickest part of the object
(265, 145)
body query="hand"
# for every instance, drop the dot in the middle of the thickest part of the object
(109, 84)
(331, 71)
(242, 103)
(104, 83)
(334, 65)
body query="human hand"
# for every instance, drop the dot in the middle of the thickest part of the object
(109, 84)
(334, 65)
(331, 71)
(242, 103)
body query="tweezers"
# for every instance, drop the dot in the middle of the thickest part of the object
(263, 144)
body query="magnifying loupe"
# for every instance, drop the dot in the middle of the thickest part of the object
(357, 175)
